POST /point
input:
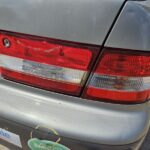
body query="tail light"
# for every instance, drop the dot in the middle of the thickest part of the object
(121, 76)
(45, 63)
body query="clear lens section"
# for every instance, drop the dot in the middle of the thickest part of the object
(43, 70)
(120, 83)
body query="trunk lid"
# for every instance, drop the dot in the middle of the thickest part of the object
(86, 21)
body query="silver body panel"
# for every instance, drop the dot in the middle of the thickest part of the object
(132, 28)
(85, 21)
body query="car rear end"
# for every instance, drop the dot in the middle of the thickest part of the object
(74, 74)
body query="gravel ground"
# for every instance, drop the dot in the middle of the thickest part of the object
(146, 144)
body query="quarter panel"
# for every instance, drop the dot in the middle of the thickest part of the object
(132, 29)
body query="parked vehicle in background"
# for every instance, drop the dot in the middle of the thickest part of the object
(75, 74)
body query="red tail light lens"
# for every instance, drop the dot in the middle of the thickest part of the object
(45, 63)
(121, 76)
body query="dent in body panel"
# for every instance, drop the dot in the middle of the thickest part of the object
(86, 21)
(132, 29)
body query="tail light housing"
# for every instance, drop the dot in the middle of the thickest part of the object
(45, 63)
(121, 76)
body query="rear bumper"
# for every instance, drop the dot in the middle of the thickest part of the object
(24, 133)
(82, 124)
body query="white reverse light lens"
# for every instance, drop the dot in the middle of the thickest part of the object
(120, 83)
(42, 70)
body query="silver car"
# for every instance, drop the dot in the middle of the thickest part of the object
(75, 74)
